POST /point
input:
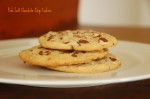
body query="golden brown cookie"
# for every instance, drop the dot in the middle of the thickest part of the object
(81, 40)
(110, 62)
(47, 57)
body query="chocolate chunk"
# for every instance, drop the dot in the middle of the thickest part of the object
(81, 41)
(97, 59)
(50, 37)
(105, 49)
(47, 52)
(103, 39)
(65, 42)
(61, 38)
(44, 52)
(113, 59)
(74, 54)
(41, 53)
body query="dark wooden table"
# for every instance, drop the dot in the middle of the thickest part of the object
(129, 90)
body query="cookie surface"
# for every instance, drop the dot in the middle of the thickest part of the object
(108, 63)
(81, 40)
(38, 55)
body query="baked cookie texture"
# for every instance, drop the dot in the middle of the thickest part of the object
(38, 55)
(81, 40)
(73, 51)
(108, 63)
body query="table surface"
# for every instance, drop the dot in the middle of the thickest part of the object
(129, 90)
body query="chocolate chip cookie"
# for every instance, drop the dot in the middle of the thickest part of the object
(108, 63)
(45, 57)
(80, 40)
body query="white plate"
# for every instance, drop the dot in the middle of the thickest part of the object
(135, 59)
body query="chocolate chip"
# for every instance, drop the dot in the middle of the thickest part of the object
(41, 53)
(61, 38)
(50, 37)
(105, 49)
(113, 59)
(97, 59)
(103, 39)
(47, 52)
(81, 41)
(65, 42)
(74, 54)
(44, 52)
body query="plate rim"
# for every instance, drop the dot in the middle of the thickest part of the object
(34, 82)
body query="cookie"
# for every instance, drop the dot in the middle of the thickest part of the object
(81, 40)
(110, 62)
(38, 55)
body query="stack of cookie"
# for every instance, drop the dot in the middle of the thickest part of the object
(76, 51)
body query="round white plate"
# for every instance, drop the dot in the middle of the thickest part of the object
(135, 59)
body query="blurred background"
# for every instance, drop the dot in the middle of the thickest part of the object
(69, 14)
(134, 13)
